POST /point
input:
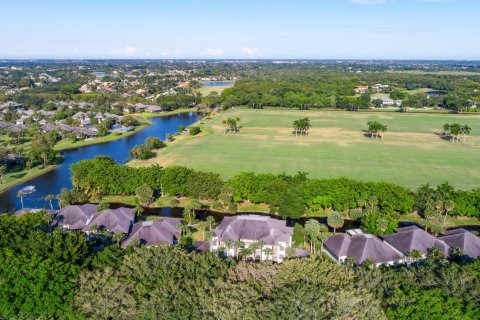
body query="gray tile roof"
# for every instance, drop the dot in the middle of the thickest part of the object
(162, 231)
(116, 221)
(461, 238)
(413, 238)
(24, 211)
(360, 248)
(76, 217)
(253, 227)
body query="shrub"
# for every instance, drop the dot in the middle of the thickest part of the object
(141, 152)
(194, 131)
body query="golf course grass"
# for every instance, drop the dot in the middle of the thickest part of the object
(412, 153)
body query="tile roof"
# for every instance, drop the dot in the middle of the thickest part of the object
(413, 238)
(116, 221)
(253, 227)
(75, 217)
(24, 211)
(161, 231)
(463, 239)
(360, 248)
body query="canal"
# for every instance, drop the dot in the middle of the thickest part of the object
(51, 182)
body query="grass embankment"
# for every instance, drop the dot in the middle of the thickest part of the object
(142, 117)
(411, 153)
(13, 178)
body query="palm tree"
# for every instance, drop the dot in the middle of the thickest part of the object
(322, 237)
(21, 194)
(260, 246)
(449, 205)
(356, 214)
(312, 230)
(466, 130)
(414, 255)
(228, 244)
(268, 253)
(3, 170)
(238, 245)
(335, 220)
(361, 203)
(49, 198)
(372, 203)
(382, 224)
(138, 207)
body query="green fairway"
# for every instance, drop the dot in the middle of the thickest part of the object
(411, 153)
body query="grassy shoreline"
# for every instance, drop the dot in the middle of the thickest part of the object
(61, 146)
(37, 171)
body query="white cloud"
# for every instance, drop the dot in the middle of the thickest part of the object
(126, 51)
(251, 51)
(213, 53)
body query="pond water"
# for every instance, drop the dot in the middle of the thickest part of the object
(217, 83)
(51, 182)
(99, 74)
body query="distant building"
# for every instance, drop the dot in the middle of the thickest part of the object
(387, 102)
(249, 229)
(361, 89)
(361, 247)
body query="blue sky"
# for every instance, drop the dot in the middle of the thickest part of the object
(304, 29)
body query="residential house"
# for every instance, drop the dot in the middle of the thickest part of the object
(387, 102)
(410, 238)
(161, 231)
(48, 127)
(361, 247)
(16, 128)
(83, 118)
(361, 89)
(75, 217)
(113, 220)
(379, 87)
(464, 240)
(153, 109)
(253, 229)
(140, 107)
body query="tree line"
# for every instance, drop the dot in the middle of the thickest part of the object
(288, 195)
(98, 280)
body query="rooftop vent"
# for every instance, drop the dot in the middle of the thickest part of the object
(147, 223)
(354, 232)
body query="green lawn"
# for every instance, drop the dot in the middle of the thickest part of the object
(16, 177)
(411, 153)
(205, 91)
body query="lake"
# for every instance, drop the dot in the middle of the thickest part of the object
(51, 182)
(217, 83)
